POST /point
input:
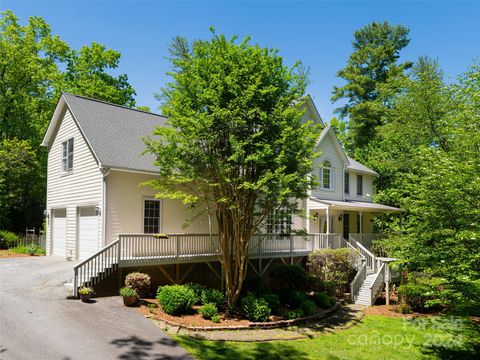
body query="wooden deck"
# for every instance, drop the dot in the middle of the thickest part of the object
(132, 250)
(144, 249)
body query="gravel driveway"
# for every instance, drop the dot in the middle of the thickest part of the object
(37, 322)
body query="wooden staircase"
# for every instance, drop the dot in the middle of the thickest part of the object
(370, 278)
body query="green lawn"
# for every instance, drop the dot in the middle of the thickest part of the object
(376, 337)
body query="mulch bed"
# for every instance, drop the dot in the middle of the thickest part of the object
(8, 254)
(194, 320)
(380, 308)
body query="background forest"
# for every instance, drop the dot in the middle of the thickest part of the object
(402, 119)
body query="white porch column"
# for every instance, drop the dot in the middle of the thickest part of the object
(307, 219)
(328, 220)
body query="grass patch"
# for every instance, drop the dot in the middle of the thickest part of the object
(30, 249)
(376, 337)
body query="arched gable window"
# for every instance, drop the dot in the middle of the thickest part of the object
(326, 175)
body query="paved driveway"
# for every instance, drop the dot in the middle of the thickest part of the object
(37, 322)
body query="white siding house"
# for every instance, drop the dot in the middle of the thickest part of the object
(96, 165)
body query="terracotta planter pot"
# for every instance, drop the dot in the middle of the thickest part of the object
(85, 297)
(129, 300)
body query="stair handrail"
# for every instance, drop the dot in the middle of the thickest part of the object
(90, 264)
(358, 279)
(365, 252)
(376, 285)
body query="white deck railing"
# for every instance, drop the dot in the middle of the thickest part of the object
(358, 280)
(377, 284)
(372, 263)
(97, 267)
(145, 249)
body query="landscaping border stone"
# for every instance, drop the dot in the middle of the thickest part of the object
(254, 325)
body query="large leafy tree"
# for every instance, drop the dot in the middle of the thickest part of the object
(373, 63)
(35, 67)
(236, 143)
(428, 157)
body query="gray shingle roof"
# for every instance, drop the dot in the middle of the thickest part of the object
(115, 132)
(355, 165)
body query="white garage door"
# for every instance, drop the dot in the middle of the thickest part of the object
(59, 233)
(87, 232)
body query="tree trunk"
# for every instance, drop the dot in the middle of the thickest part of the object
(235, 230)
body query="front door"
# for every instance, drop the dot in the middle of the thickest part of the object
(346, 226)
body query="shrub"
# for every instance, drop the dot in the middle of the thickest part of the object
(294, 298)
(7, 239)
(324, 301)
(128, 292)
(317, 285)
(30, 249)
(424, 293)
(208, 311)
(308, 307)
(289, 277)
(255, 309)
(216, 319)
(175, 299)
(139, 282)
(273, 302)
(333, 265)
(293, 314)
(197, 289)
(212, 296)
(404, 308)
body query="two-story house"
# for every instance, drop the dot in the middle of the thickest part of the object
(99, 213)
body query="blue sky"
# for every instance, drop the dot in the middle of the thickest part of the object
(317, 32)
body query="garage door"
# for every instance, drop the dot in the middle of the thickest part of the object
(59, 233)
(87, 232)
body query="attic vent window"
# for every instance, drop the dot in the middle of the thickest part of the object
(67, 155)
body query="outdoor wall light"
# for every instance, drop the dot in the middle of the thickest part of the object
(97, 210)
(46, 213)
(315, 216)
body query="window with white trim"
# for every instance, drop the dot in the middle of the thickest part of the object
(151, 216)
(326, 175)
(67, 155)
(279, 222)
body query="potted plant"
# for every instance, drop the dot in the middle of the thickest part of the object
(85, 293)
(129, 296)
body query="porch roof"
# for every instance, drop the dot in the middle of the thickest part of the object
(315, 203)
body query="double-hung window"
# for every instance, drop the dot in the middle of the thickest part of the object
(151, 216)
(67, 155)
(326, 176)
(359, 185)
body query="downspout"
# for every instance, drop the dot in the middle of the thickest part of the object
(105, 171)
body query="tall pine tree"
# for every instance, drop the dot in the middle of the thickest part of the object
(374, 62)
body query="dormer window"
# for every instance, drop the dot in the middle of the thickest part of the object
(326, 175)
(67, 155)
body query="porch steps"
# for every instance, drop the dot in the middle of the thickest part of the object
(364, 294)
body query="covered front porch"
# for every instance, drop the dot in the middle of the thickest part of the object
(352, 219)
